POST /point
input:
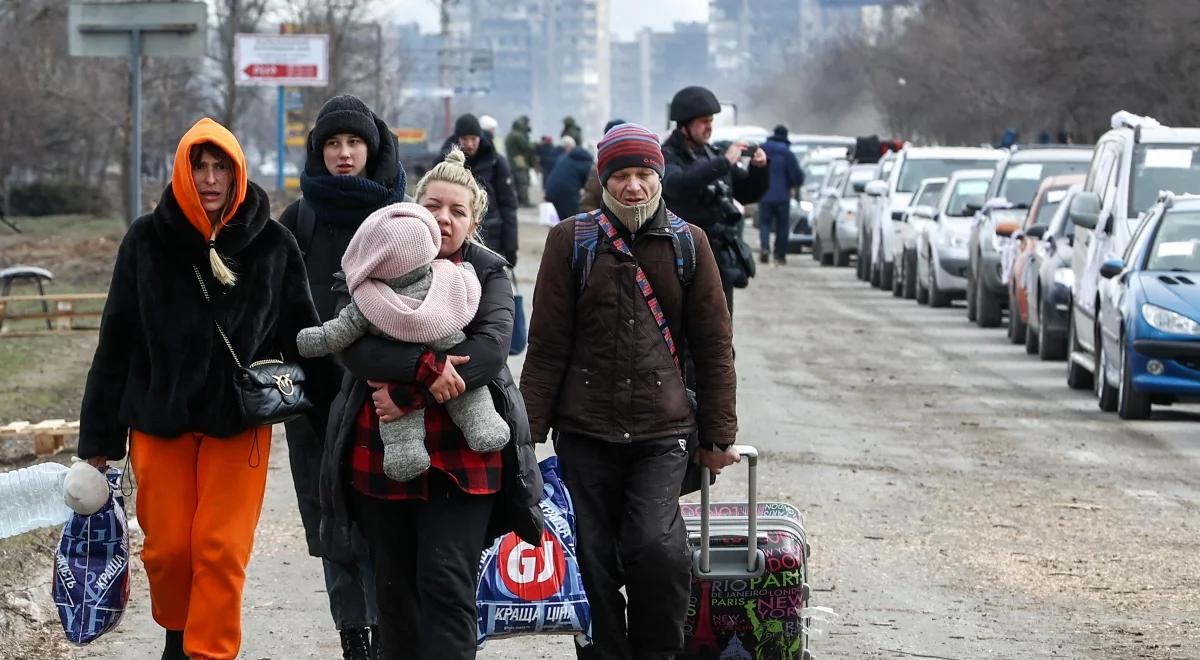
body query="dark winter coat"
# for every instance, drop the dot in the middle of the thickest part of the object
(547, 156)
(593, 192)
(373, 358)
(499, 226)
(160, 366)
(597, 364)
(339, 204)
(572, 130)
(567, 179)
(785, 171)
(518, 148)
(689, 175)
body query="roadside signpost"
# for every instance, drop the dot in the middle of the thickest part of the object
(280, 61)
(133, 30)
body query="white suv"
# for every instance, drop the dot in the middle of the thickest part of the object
(1131, 164)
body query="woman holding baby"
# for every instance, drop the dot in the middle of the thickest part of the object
(426, 532)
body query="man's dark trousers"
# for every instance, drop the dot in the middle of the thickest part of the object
(631, 534)
(773, 216)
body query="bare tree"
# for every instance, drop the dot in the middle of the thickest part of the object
(233, 16)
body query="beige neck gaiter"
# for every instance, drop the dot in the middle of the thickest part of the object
(633, 217)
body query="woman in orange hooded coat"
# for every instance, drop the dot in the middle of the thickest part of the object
(162, 378)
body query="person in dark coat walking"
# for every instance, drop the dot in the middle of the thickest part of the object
(600, 373)
(775, 206)
(205, 283)
(521, 157)
(426, 534)
(548, 154)
(499, 226)
(567, 179)
(701, 183)
(351, 170)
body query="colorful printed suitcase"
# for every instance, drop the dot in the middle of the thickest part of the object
(749, 577)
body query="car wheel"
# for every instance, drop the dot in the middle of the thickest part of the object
(1078, 378)
(898, 276)
(863, 261)
(816, 247)
(828, 257)
(1032, 340)
(1016, 327)
(1131, 404)
(971, 293)
(937, 297)
(987, 308)
(1050, 347)
(1106, 396)
(841, 258)
(873, 268)
(887, 274)
(908, 289)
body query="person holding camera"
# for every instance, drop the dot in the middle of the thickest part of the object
(701, 183)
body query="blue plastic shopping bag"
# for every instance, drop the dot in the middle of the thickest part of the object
(525, 590)
(91, 569)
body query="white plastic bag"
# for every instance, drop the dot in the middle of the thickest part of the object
(547, 215)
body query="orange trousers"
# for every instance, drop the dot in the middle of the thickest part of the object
(198, 503)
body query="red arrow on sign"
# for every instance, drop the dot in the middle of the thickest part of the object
(281, 71)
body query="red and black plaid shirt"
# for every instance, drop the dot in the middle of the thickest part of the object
(473, 472)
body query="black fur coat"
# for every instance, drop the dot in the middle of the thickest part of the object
(160, 366)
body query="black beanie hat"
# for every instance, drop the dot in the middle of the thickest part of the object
(468, 124)
(615, 122)
(781, 132)
(346, 114)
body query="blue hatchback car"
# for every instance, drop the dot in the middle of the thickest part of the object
(1150, 313)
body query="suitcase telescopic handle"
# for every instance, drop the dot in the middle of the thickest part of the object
(751, 456)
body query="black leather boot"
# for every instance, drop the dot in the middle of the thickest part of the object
(376, 644)
(356, 643)
(174, 646)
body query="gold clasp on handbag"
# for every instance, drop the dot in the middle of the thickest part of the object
(285, 385)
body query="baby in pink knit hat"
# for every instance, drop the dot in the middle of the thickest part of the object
(400, 290)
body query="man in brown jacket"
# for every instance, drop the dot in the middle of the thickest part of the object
(600, 372)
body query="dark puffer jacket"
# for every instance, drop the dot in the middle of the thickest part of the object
(567, 180)
(689, 175)
(499, 226)
(373, 358)
(597, 364)
(160, 366)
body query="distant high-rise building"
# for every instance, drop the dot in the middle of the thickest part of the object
(648, 70)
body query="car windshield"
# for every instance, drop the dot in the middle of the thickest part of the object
(1175, 244)
(1021, 180)
(1162, 167)
(815, 172)
(966, 191)
(930, 194)
(1049, 205)
(916, 170)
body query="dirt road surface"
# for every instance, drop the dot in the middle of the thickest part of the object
(961, 502)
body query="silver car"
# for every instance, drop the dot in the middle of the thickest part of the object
(835, 226)
(942, 246)
(912, 223)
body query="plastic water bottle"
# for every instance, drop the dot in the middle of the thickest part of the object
(32, 497)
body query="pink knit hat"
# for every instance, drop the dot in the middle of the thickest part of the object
(392, 241)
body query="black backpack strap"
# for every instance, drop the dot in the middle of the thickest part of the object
(306, 226)
(684, 244)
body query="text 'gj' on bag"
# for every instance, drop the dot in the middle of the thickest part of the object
(268, 391)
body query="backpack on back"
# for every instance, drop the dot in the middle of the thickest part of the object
(587, 241)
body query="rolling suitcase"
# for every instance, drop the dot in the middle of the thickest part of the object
(749, 577)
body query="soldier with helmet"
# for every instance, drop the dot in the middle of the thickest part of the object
(701, 183)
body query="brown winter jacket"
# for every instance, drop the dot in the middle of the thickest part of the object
(598, 366)
(592, 193)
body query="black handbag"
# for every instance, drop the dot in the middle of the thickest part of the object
(268, 391)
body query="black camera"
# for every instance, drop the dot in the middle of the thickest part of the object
(721, 194)
(749, 149)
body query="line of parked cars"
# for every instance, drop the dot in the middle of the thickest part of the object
(1092, 251)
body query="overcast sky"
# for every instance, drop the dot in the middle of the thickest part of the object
(627, 16)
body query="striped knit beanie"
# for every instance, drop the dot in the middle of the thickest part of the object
(628, 145)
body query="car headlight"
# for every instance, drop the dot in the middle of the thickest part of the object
(1065, 277)
(806, 206)
(1165, 320)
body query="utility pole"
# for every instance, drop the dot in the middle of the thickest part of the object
(444, 66)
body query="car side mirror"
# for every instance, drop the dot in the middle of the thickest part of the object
(901, 215)
(1085, 210)
(876, 188)
(859, 186)
(1006, 228)
(1111, 268)
(923, 211)
(1036, 232)
(972, 208)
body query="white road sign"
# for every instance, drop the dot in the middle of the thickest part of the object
(293, 60)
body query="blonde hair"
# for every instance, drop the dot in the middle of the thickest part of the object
(454, 170)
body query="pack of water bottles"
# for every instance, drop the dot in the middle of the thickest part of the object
(91, 568)
(526, 590)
